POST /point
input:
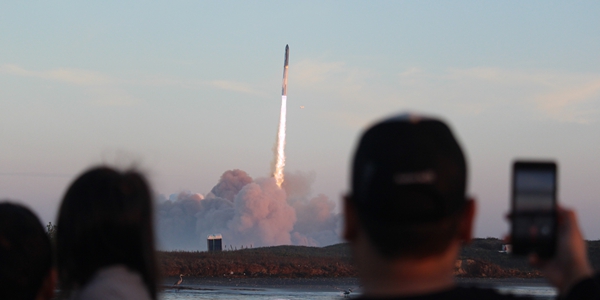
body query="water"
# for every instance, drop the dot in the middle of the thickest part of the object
(255, 294)
(235, 293)
(539, 292)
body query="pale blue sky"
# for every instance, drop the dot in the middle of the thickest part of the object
(192, 89)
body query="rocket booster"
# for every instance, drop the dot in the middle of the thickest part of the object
(285, 71)
(280, 149)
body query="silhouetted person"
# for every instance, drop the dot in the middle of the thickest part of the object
(25, 255)
(105, 239)
(408, 215)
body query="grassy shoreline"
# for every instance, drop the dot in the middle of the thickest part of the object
(480, 259)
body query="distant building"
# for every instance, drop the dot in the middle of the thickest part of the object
(215, 243)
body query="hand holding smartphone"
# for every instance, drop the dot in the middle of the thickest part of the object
(534, 216)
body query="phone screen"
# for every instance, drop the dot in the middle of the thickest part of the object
(534, 208)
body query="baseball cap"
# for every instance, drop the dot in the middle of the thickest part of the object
(408, 169)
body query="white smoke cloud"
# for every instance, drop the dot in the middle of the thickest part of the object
(213, 218)
(231, 184)
(249, 212)
(317, 224)
(316, 221)
(177, 220)
(262, 215)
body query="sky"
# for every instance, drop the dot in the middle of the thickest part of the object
(187, 90)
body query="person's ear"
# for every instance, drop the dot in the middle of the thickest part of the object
(46, 291)
(467, 221)
(350, 219)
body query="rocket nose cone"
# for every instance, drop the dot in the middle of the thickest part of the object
(287, 47)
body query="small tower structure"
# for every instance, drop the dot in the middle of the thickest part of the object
(215, 243)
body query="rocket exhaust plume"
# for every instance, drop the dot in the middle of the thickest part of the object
(280, 148)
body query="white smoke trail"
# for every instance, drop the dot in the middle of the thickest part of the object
(280, 154)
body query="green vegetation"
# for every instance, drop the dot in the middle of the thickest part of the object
(488, 250)
(280, 261)
(482, 258)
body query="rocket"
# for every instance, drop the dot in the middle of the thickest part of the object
(280, 149)
(285, 71)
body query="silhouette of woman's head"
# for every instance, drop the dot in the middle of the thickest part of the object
(105, 219)
(25, 253)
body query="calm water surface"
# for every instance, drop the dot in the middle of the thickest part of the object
(263, 294)
(539, 292)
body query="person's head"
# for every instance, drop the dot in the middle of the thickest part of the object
(105, 219)
(408, 185)
(25, 255)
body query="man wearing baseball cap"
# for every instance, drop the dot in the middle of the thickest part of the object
(407, 217)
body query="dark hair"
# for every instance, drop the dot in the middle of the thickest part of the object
(25, 252)
(106, 219)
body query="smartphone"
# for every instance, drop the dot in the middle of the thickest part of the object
(534, 217)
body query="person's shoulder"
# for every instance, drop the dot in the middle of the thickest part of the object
(115, 283)
(462, 293)
(588, 288)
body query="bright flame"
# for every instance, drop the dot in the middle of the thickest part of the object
(280, 154)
